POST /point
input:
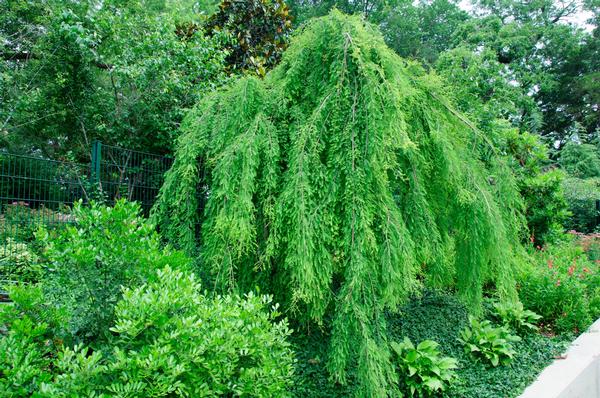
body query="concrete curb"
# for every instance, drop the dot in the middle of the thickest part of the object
(576, 376)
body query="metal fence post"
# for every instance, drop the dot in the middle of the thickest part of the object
(96, 160)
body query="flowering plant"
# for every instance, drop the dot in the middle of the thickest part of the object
(563, 286)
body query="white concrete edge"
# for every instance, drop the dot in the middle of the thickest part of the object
(575, 376)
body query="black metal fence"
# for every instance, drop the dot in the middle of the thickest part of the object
(37, 191)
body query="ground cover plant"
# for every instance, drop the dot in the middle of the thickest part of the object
(437, 316)
(332, 181)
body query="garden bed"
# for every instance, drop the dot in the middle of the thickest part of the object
(440, 317)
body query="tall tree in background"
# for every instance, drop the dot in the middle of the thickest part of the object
(114, 70)
(533, 49)
(259, 29)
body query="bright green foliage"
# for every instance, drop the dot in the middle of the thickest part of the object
(562, 286)
(541, 187)
(260, 30)
(492, 345)
(423, 371)
(173, 341)
(516, 317)
(333, 182)
(88, 262)
(547, 208)
(23, 359)
(27, 345)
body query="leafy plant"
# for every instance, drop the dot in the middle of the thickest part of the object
(423, 371)
(561, 285)
(580, 160)
(90, 260)
(330, 182)
(24, 358)
(173, 341)
(18, 262)
(540, 185)
(581, 196)
(515, 316)
(487, 343)
(28, 341)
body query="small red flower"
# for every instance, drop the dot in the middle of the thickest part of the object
(550, 263)
(558, 282)
(571, 269)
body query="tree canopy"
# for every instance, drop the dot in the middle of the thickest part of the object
(340, 183)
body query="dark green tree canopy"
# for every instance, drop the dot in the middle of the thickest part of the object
(338, 183)
(260, 30)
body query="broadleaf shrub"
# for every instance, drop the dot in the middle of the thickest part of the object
(171, 340)
(541, 187)
(24, 358)
(424, 372)
(89, 260)
(488, 343)
(29, 342)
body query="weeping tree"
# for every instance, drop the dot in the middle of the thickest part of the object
(341, 183)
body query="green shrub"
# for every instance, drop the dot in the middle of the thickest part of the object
(88, 262)
(27, 347)
(580, 160)
(541, 188)
(24, 359)
(492, 345)
(546, 207)
(515, 316)
(18, 262)
(423, 371)
(581, 195)
(173, 341)
(562, 286)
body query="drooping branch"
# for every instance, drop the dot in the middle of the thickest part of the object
(315, 191)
